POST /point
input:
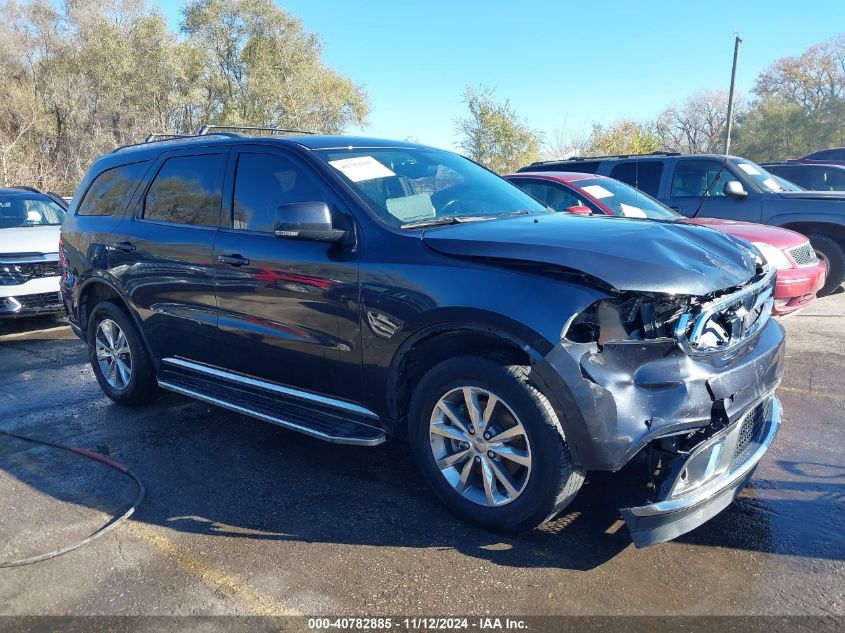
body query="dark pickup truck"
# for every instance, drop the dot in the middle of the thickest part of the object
(729, 187)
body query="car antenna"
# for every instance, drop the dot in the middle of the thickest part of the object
(710, 186)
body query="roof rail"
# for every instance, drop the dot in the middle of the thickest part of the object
(163, 137)
(210, 130)
(580, 158)
(207, 129)
(26, 188)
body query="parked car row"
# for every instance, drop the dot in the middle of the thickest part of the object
(729, 188)
(800, 273)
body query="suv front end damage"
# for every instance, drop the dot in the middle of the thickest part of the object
(689, 380)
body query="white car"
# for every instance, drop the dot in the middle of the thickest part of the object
(30, 222)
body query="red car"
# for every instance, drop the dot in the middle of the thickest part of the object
(800, 274)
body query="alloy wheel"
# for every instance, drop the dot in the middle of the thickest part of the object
(480, 446)
(113, 354)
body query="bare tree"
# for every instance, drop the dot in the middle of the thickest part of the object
(568, 141)
(697, 125)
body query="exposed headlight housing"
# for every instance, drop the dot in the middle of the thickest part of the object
(626, 318)
(773, 255)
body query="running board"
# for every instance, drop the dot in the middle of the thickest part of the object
(323, 418)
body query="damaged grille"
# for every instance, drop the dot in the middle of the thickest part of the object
(751, 427)
(804, 255)
(728, 320)
(17, 274)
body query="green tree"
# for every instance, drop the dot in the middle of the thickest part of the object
(258, 66)
(82, 76)
(494, 135)
(623, 137)
(772, 130)
(799, 106)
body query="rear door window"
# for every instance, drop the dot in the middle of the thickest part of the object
(640, 174)
(111, 190)
(187, 190)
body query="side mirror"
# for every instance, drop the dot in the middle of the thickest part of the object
(734, 188)
(310, 221)
(579, 210)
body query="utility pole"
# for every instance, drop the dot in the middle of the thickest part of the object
(737, 42)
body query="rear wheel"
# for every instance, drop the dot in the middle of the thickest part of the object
(118, 357)
(490, 445)
(830, 252)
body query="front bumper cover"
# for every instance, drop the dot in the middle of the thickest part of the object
(678, 514)
(612, 403)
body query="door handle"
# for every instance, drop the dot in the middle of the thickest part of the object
(678, 209)
(233, 260)
(126, 247)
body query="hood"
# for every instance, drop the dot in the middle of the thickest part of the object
(30, 240)
(812, 195)
(752, 232)
(628, 254)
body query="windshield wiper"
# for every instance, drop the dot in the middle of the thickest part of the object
(458, 219)
(446, 219)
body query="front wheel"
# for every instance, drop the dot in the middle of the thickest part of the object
(490, 445)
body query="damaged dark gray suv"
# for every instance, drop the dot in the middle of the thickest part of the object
(353, 288)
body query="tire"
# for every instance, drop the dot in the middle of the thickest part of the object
(543, 489)
(830, 251)
(141, 387)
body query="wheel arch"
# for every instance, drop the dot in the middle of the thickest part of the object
(94, 291)
(431, 344)
(834, 230)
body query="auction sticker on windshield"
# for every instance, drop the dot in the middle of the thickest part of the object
(748, 169)
(361, 168)
(597, 191)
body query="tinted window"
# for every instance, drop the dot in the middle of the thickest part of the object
(111, 190)
(694, 178)
(265, 181)
(828, 179)
(186, 190)
(558, 197)
(797, 175)
(643, 175)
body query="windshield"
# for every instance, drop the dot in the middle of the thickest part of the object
(760, 178)
(405, 187)
(17, 210)
(624, 200)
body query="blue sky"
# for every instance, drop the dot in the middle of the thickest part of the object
(561, 63)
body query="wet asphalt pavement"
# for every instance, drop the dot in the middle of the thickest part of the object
(242, 517)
